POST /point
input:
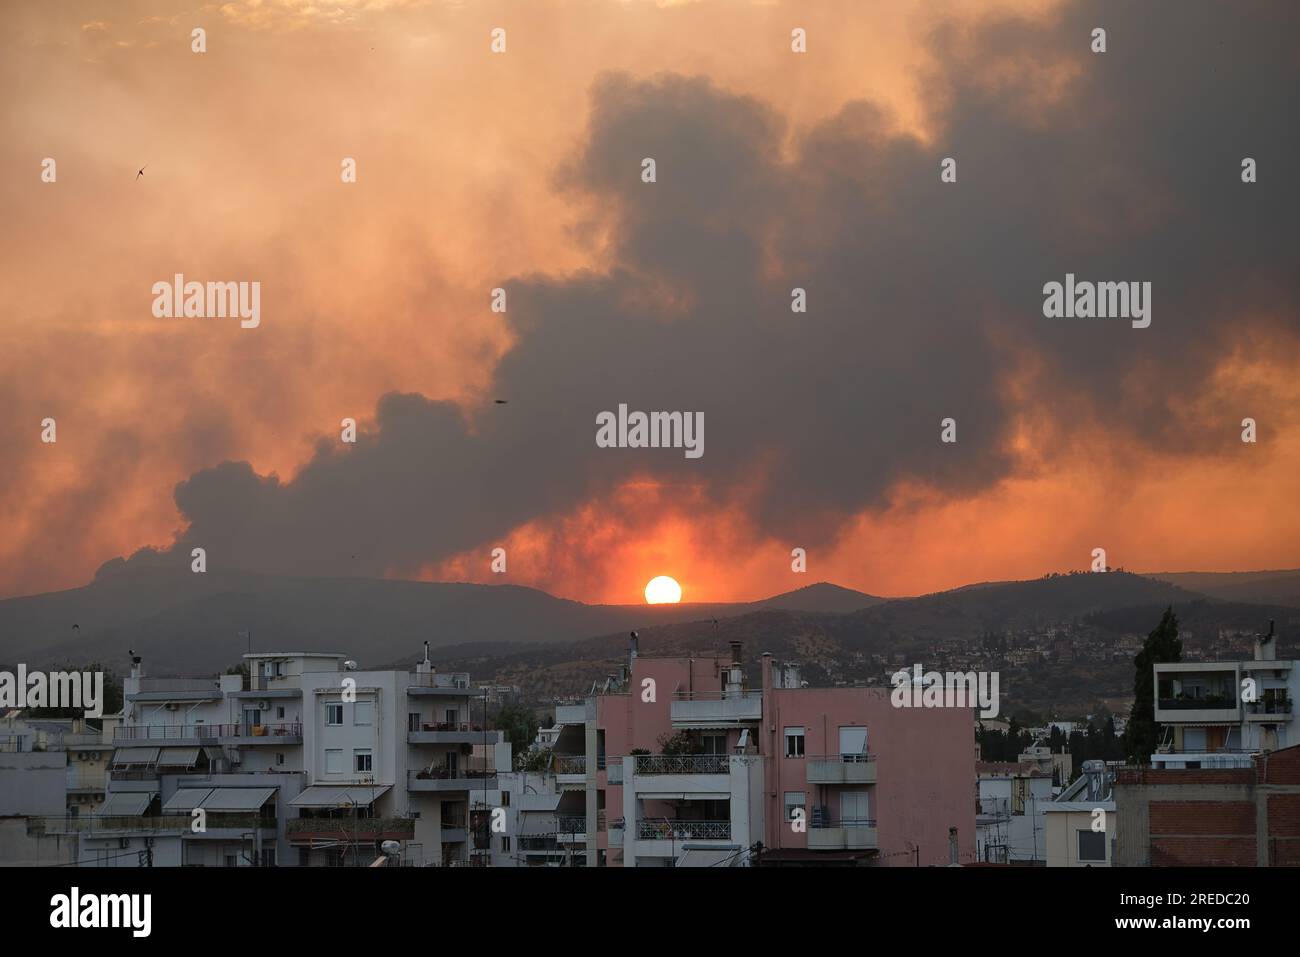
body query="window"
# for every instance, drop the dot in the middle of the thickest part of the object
(1092, 846)
(268, 857)
(794, 801)
(363, 712)
(279, 711)
(505, 798)
(279, 758)
(334, 761)
(362, 759)
(794, 742)
(505, 845)
(853, 743)
(452, 717)
(334, 714)
(715, 744)
(231, 861)
(413, 721)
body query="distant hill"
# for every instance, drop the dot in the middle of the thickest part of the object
(190, 624)
(1271, 587)
(822, 596)
(187, 623)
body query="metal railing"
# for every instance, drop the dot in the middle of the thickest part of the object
(1267, 706)
(682, 764)
(450, 774)
(571, 825)
(822, 824)
(665, 830)
(843, 758)
(164, 732)
(463, 726)
(458, 680)
(350, 825)
(569, 763)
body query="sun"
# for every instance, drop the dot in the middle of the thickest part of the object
(662, 591)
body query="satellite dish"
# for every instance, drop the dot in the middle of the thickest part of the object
(390, 847)
(349, 665)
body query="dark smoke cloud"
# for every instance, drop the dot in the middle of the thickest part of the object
(924, 298)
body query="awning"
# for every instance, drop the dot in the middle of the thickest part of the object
(237, 799)
(340, 795)
(186, 800)
(178, 757)
(129, 757)
(125, 804)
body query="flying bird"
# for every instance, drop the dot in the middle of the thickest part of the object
(500, 401)
(140, 171)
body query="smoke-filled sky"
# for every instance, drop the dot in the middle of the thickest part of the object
(523, 170)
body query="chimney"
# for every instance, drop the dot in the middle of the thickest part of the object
(735, 674)
(632, 647)
(137, 669)
(425, 667)
(1265, 647)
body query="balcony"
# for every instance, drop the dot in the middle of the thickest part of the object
(853, 835)
(663, 829)
(281, 733)
(1197, 709)
(345, 829)
(444, 779)
(571, 828)
(716, 709)
(1269, 710)
(681, 764)
(702, 777)
(447, 733)
(450, 685)
(847, 769)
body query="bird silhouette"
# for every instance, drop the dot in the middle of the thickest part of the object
(500, 401)
(140, 171)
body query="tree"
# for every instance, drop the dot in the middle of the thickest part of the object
(1141, 737)
(519, 724)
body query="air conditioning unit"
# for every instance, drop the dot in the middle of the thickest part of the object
(264, 706)
(124, 842)
(234, 755)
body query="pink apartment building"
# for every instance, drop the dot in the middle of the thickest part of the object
(782, 774)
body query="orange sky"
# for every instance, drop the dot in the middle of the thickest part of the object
(382, 286)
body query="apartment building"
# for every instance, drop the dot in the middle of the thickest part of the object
(678, 762)
(306, 760)
(1218, 714)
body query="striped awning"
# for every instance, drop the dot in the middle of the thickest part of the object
(178, 757)
(125, 804)
(186, 800)
(135, 757)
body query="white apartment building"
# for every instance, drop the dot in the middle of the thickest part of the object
(307, 761)
(1217, 714)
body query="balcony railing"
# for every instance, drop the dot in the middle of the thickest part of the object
(571, 825)
(819, 825)
(1269, 707)
(463, 726)
(1210, 703)
(569, 764)
(364, 826)
(670, 830)
(682, 764)
(164, 732)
